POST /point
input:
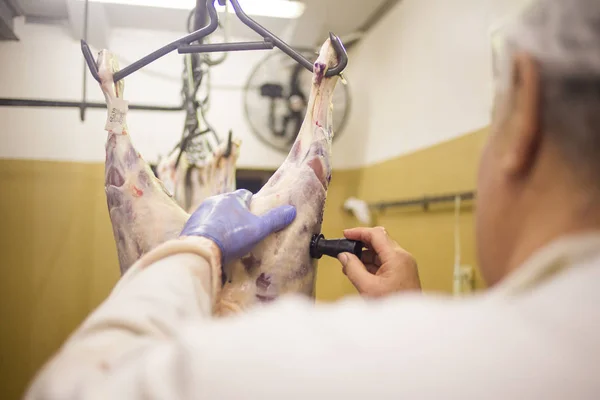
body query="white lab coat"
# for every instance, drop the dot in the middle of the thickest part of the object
(535, 336)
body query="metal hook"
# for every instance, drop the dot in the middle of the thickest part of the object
(141, 63)
(342, 55)
(229, 144)
(86, 18)
(270, 41)
(182, 45)
(281, 45)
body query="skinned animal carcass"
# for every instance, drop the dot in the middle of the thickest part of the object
(144, 214)
(192, 182)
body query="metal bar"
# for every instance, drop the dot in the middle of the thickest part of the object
(280, 44)
(86, 17)
(200, 16)
(7, 102)
(189, 137)
(8, 11)
(155, 55)
(207, 30)
(89, 60)
(229, 144)
(225, 26)
(342, 56)
(218, 47)
(210, 28)
(423, 201)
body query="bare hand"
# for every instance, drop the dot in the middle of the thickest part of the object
(384, 268)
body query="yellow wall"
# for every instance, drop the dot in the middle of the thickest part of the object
(429, 235)
(59, 258)
(331, 282)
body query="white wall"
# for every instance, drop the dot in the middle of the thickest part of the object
(47, 64)
(423, 75)
(420, 77)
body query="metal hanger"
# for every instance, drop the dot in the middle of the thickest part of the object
(82, 105)
(155, 55)
(183, 45)
(270, 41)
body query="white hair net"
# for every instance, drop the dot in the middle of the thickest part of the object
(562, 35)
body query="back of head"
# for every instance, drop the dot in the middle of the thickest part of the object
(539, 175)
(563, 36)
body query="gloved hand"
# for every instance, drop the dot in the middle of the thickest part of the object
(227, 221)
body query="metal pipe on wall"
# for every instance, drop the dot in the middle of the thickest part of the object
(424, 201)
(9, 102)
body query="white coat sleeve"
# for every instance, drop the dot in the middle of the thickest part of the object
(154, 339)
(169, 286)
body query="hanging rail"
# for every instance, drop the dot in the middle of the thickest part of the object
(184, 45)
(82, 105)
(424, 201)
(8, 102)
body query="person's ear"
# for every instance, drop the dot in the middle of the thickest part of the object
(525, 135)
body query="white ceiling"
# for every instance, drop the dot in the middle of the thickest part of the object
(342, 17)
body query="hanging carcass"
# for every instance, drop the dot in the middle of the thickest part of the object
(144, 214)
(191, 181)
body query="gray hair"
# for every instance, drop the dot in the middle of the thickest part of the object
(563, 36)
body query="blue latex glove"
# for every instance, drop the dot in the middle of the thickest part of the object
(227, 221)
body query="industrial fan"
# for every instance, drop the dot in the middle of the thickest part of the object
(276, 97)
